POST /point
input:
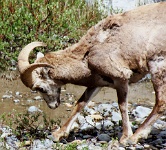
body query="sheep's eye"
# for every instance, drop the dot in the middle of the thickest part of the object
(41, 90)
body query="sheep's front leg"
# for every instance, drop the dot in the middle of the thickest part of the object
(122, 90)
(65, 129)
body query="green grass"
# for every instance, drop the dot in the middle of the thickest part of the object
(59, 23)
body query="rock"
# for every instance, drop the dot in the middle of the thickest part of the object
(68, 105)
(139, 147)
(98, 125)
(30, 100)
(147, 146)
(42, 144)
(33, 109)
(81, 119)
(115, 105)
(96, 117)
(38, 98)
(17, 93)
(159, 124)
(90, 120)
(162, 134)
(86, 126)
(116, 117)
(75, 126)
(25, 143)
(7, 96)
(82, 146)
(141, 112)
(94, 147)
(91, 104)
(90, 110)
(121, 148)
(104, 109)
(4, 135)
(16, 100)
(107, 124)
(87, 136)
(157, 142)
(104, 137)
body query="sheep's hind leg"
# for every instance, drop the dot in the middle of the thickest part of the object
(65, 129)
(158, 71)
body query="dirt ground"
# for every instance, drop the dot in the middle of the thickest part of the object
(139, 93)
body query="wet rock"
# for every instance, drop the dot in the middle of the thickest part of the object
(33, 109)
(104, 137)
(141, 112)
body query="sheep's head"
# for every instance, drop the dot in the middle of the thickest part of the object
(36, 76)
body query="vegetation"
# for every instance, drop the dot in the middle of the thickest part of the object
(59, 23)
(29, 126)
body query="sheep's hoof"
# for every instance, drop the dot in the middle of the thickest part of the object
(131, 141)
(123, 140)
(58, 135)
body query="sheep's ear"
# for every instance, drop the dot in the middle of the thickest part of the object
(39, 55)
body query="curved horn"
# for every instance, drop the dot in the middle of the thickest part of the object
(25, 68)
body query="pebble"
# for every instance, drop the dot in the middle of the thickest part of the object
(17, 93)
(38, 98)
(7, 96)
(16, 100)
(33, 109)
(104, 137)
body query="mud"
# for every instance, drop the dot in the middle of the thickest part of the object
(139, 94)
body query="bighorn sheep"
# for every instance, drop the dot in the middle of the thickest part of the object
(117, 51)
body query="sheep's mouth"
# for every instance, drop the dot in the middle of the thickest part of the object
(53, 105)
